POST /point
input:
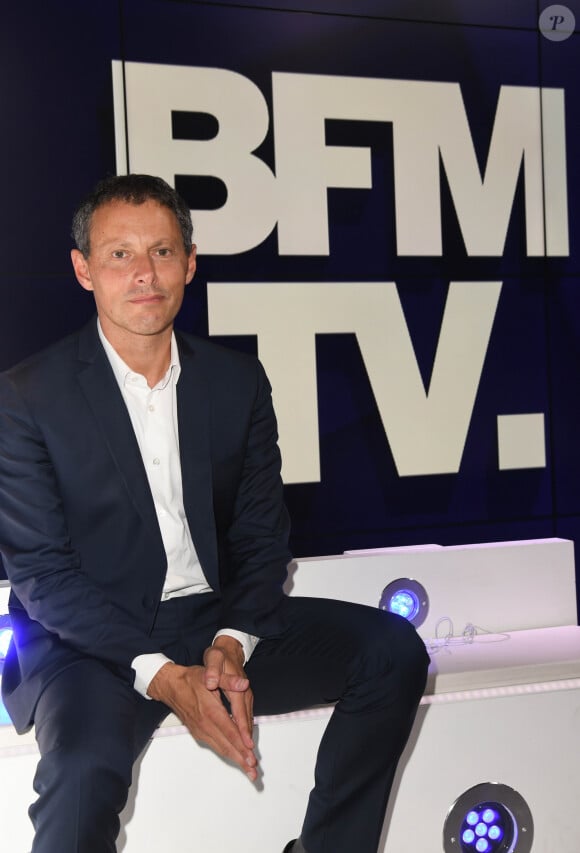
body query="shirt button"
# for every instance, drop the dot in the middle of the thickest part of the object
(156, 461)
(151, 408)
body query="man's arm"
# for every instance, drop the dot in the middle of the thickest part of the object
(256, 541)
(43, 567)
(255, 551)
(257, 557)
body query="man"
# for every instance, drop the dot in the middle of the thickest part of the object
(143, 530)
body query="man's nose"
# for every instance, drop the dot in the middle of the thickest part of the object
(144, 269)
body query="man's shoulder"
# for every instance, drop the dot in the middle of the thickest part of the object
(46, 365)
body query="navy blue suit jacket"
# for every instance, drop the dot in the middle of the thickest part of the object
(78, 531)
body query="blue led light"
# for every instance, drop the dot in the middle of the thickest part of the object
(489, 818)
(407, 598)
(405, 603)
(5, 637)
(4, 718)
(484, 827)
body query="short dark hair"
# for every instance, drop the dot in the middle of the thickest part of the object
(134, 189)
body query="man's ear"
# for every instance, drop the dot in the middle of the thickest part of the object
(81, 269)
(191, 264)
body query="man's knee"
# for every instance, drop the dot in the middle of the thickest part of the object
(404, 652)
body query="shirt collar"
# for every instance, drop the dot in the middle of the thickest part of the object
(122, 371)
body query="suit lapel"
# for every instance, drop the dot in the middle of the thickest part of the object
(100, 388)
(193, 409)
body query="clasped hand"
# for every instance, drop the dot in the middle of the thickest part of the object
(194, 694)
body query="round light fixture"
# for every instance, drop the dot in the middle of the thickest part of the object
(489, 818)
(406, 597)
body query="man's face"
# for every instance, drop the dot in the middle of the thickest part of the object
(137, 268)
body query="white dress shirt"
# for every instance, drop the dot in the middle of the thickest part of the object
(153, 413)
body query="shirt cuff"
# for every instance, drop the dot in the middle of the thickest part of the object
(146, 668)
(247, 641)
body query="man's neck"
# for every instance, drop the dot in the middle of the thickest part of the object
(148, 355)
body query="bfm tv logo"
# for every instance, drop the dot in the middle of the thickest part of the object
(426, 429)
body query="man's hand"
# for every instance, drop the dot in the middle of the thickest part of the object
(193, 693)
(224, 661)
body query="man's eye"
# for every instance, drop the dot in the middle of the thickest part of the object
(164, 252)
(119, 253)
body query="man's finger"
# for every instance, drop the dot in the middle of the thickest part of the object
(215, 675)
(241, 705)
(214, 667)
(220, 733)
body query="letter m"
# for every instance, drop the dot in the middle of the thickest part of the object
(528, 132)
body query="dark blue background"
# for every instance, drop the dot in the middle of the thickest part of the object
(57, 140)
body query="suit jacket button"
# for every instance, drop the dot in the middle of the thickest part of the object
(148, 602)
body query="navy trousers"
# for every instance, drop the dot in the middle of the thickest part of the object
(91, 724)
